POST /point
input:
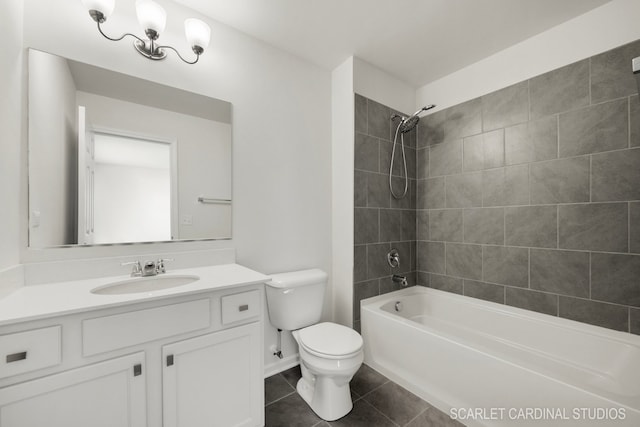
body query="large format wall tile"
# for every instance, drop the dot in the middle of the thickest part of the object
(611, 75)
(531, 141)
(595, 227)
(634, 121)
(506, 186)
(560, 90)
(532, 300)
(379, 120)
(616, 278)
(560, 272)
(367, 153)
(430, 193)
(484, 225)
(560, 181)
(506, 265)
(446, 283)
(506, 107)
(484, 291)
(377, 265)
(464, 191)
(463, 120)
(445, 158)
(634, 227)
(483, 151)
(464, 260)
(616, 176)
(431, 129)
(596, 313)
(593, 129)
(446, 225)
(431, 257)
(361, 114)
(528, 196)
(532, 226)
(366, 228)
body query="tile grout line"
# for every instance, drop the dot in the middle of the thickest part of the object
(418, 416)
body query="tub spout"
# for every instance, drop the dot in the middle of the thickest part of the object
(400, 279)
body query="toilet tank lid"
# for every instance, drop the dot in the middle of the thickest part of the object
(297, 278)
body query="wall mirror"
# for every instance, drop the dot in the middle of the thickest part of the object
(117, 159)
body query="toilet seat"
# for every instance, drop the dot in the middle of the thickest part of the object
(330, 340)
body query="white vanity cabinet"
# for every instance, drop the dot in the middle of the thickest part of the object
(106, 394)
(211, 380)
(184, 361)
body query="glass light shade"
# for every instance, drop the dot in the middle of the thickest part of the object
(103, 6)
(198, 33)
(151, 15)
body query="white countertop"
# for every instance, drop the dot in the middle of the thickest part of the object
(60, 298)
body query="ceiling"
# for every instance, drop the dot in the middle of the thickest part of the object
(418, 41)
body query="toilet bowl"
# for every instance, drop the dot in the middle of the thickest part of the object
(330, 355)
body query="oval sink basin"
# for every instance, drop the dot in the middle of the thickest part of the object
(144, 284)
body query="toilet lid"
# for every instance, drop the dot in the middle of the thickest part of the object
(330, 339)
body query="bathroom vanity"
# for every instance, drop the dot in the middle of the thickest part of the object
(189, 355)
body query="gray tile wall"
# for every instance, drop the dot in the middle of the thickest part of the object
(381, 221)
(528, 196)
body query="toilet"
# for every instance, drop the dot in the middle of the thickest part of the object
(330, 354)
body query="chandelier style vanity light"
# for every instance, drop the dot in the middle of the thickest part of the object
(153, 18)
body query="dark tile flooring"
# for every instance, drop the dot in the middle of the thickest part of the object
(377, 402)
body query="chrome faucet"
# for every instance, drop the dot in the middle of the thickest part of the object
(136, 270)
(402, 280)
(149, 268)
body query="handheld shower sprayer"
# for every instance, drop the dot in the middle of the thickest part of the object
(407, 124)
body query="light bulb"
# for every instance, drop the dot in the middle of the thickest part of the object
(151, 15)
(198, 33)
(103, 6)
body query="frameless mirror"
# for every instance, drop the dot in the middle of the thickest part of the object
(118, 159)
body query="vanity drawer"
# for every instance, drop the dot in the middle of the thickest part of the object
(29, 351)
(241, 306)
(118, 331)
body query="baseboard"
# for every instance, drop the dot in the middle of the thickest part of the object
(281, 365)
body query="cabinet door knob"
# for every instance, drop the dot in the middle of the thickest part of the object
(170, 360)
(16, 356)
(243, 307)
(137, 370)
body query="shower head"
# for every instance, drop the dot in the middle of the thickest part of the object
(408, 123)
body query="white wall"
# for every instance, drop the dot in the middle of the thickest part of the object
(596, 31)
(53, 153)
(342, 136)
(11, 128)
(382, 87)
(281, 130)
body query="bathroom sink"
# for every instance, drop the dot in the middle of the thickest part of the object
(144, 284)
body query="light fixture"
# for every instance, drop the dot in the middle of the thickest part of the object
(153, 18)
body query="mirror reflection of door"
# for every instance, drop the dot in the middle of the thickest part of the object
(129, 193)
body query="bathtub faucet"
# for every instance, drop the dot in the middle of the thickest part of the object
(400, 279)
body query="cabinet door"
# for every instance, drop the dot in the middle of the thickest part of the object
(215, 380)
(107, 394)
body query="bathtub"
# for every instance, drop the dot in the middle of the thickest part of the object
(488, 364)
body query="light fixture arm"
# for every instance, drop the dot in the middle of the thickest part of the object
(180, 56)
(119, 38)
(148, 48)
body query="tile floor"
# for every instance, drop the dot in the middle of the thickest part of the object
(377, 402)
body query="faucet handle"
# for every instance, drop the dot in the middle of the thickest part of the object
(160, 268)
(137, 268)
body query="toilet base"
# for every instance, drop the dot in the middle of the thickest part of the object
(328, 398)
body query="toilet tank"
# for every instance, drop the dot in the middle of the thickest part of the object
(295, 299)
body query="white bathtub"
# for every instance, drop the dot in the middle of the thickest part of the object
(495, 365)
